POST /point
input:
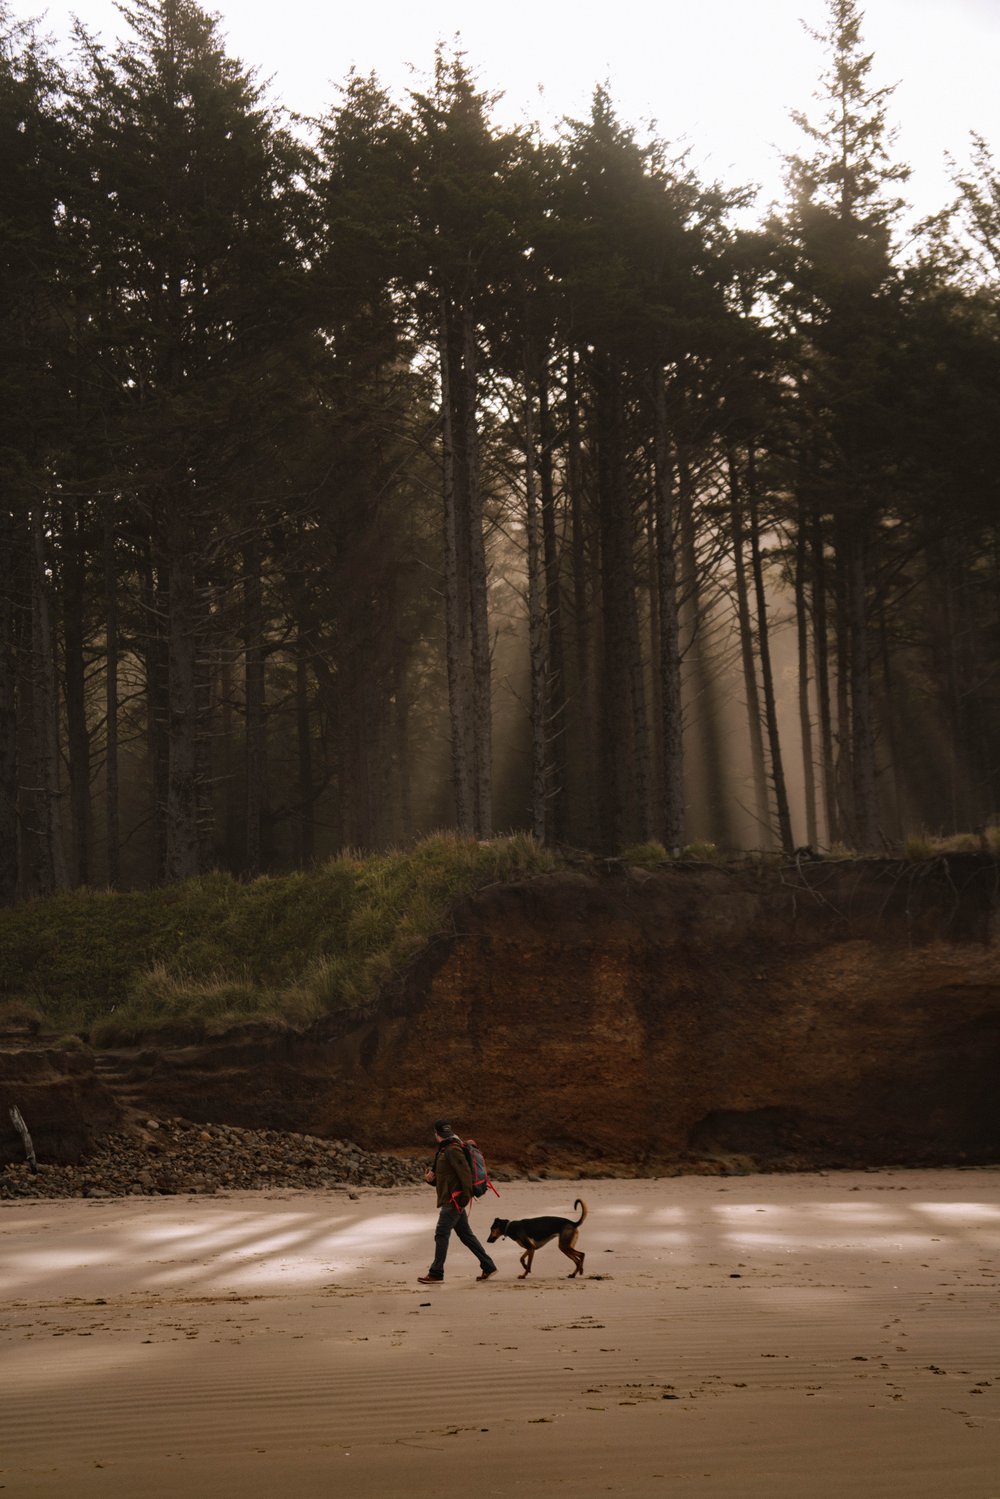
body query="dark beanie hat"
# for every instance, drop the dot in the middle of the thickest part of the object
(442, 1127)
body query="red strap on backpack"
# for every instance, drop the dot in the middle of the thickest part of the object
(468, 1146)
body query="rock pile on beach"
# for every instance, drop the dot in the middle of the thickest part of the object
(164, 1157)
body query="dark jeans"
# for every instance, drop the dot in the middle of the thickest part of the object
(450, 1218)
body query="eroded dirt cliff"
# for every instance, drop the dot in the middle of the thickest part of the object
(60, 1095)
(832, 1013)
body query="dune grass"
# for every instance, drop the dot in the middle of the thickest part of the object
(199, 957)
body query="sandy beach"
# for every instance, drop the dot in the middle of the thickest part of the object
(781, 1336)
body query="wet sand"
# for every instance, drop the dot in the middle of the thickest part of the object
(794, 1337)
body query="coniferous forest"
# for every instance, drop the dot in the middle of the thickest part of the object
(398, 471)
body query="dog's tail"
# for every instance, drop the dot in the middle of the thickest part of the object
(583, 1211)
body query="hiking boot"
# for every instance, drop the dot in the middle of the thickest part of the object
(487, 1273)
(430, 1280)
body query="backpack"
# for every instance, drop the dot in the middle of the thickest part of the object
(480, 1179)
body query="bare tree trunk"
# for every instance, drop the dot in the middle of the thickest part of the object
(370, 759)
(672, 723)
(404, 770)
(888, 695)
(182, 832)
(624, 721)
(947, 668)
(538, 665)
(556, 681)
(642, 769)
(155, 608)
(456, 593)
(112, 796)
(844, 737)
(991, 788)
(378, 762)
(702, 668)
(805, 718)
(973, 669)
(327, 685)
(616, 726)
(350, 721)
(17, 1120)
(232, 799)
(767, 678)
(205, 704)
(972, 700)
(482, 706)
(307, 795)
(748, 658)
(253, 696)
(74, 676)
(821, 653)
(648, 550)
(11, 548)
(957, 630)
(53, 873)
(306, 824)
(586, 713)
(862, 710)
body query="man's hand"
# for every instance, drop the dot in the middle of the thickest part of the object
(429, 1176)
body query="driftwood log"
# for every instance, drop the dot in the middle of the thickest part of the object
(22, 1129)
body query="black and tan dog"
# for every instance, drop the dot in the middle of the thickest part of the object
(532, 1233)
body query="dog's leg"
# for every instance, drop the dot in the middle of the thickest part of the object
(572, 1254)
(526, 1259)
(567, 1239)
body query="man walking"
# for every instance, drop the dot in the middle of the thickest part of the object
(452, 1176)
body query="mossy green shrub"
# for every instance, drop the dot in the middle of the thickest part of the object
(211, 952)
(193, 1007)
(964, 843)
(70, 1042)
(703, 852)
(19, 1018)
(646, 855)
(927, 847)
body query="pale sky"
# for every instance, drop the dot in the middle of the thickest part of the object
(717, 75)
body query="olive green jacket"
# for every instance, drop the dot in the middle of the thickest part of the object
(452, 1173)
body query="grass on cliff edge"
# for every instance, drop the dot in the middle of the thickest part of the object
(204, 955)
